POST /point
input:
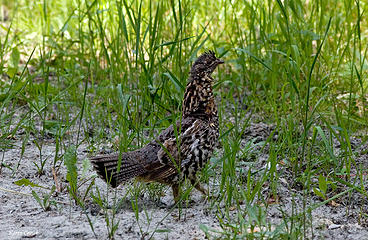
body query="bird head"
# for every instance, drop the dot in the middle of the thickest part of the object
(205, 64)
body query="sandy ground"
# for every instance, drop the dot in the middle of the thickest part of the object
(22, 217)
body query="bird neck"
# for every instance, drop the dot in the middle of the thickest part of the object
(198, 98)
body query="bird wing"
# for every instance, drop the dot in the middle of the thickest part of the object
(173, 149)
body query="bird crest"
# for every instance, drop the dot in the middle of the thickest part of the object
(205, 64)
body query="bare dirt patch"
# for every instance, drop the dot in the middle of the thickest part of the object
(22, 217)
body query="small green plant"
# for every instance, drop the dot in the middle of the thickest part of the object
(45, 200)
(322, 190)
(70, 161)
(40, 166)
(109, 212)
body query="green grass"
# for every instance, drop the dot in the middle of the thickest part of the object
(90, 72)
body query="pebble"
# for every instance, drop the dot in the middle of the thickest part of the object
(334, 226)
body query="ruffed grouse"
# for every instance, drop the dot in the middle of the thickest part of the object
(172, 157)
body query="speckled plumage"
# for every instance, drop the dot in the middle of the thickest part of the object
(171, 158)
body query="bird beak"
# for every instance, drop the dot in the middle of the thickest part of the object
(219, 61)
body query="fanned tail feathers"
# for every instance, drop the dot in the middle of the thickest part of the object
(107, 165)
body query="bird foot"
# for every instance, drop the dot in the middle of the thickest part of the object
(162, 205)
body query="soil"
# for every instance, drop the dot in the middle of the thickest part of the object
(21, 216)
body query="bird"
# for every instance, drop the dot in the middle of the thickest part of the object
(181, 150)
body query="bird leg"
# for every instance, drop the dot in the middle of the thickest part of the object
(198, 186)
(176, 192)
(176, 189)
